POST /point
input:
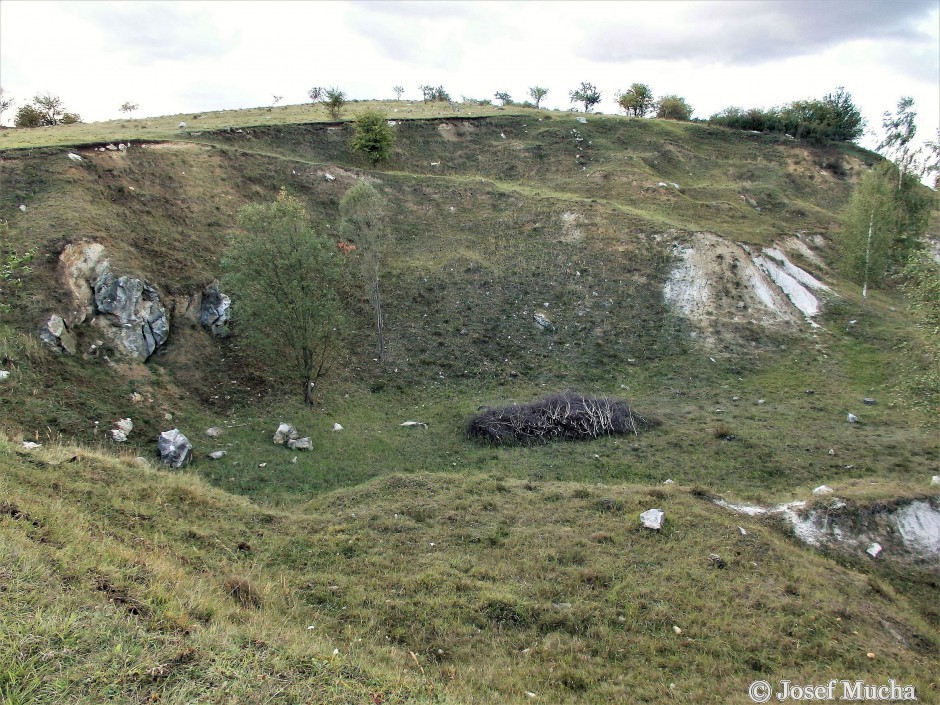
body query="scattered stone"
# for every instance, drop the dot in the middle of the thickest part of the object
(543, 322)
(832, 451)
(262, 465)
(168, 416)
(142, 461)
(810, 391)
(561, 605)
(874, 549)
(217, 454)
(125, 425)
(300, 443)
(4, 374)
(823, 489)
(56, 335)
(23, 207)
(582, 120)
(285, 432)
(74, 157)
(735, 398)
(337, 427)
(935, 480)
(118, 435)
(182, 126)
(29, 445)
(174, 448)
(503, 135)
(110, 147)
(294, 460)
(717, 560)
(851, 418)
(214, 432)
(869, 401)
(329, 177)
(760, 402)
(652, 519)
(413, 424)
(136, 397)
(669, 482)
(676, 629)
(742, 531)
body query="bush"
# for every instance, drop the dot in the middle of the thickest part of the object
(834, 118)
(563, 416)
(673, 107)
(28, 116)
(373, 137)
(434, 94)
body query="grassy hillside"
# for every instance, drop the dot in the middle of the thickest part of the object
(125, 583)
(469, 573)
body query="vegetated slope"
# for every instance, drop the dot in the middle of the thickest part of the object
(492, 220)
(122, 582)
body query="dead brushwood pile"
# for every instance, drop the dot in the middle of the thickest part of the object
(565, 416)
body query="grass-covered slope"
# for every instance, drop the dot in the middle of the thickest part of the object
(125, 583)
(502, 570)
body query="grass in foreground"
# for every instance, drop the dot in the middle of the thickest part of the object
(126, 583)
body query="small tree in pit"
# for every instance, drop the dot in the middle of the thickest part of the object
(587, 94)
(398, 92)
(315, 94)
(128, 107)
(537, 93)
(363, 220)
(283, 278)
(373, 137)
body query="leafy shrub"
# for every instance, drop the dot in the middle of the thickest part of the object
(673, 107)
(373, 137)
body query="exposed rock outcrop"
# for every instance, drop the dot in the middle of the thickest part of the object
(126, 311)
(132, 314)
(717, 282)
(215, 310)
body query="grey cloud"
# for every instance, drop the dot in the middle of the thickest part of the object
(435, 34)
(757, 32)
(156, 31)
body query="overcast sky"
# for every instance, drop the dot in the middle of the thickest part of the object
(180, 57)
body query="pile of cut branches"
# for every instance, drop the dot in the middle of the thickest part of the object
(563, 416)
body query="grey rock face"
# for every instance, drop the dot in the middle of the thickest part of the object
(215, 310)
(174, 448)
(133, 307)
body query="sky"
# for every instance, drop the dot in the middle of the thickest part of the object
(181, 57)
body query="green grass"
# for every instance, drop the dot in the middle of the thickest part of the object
(121, 591)
(166, 127)
(497, 586)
